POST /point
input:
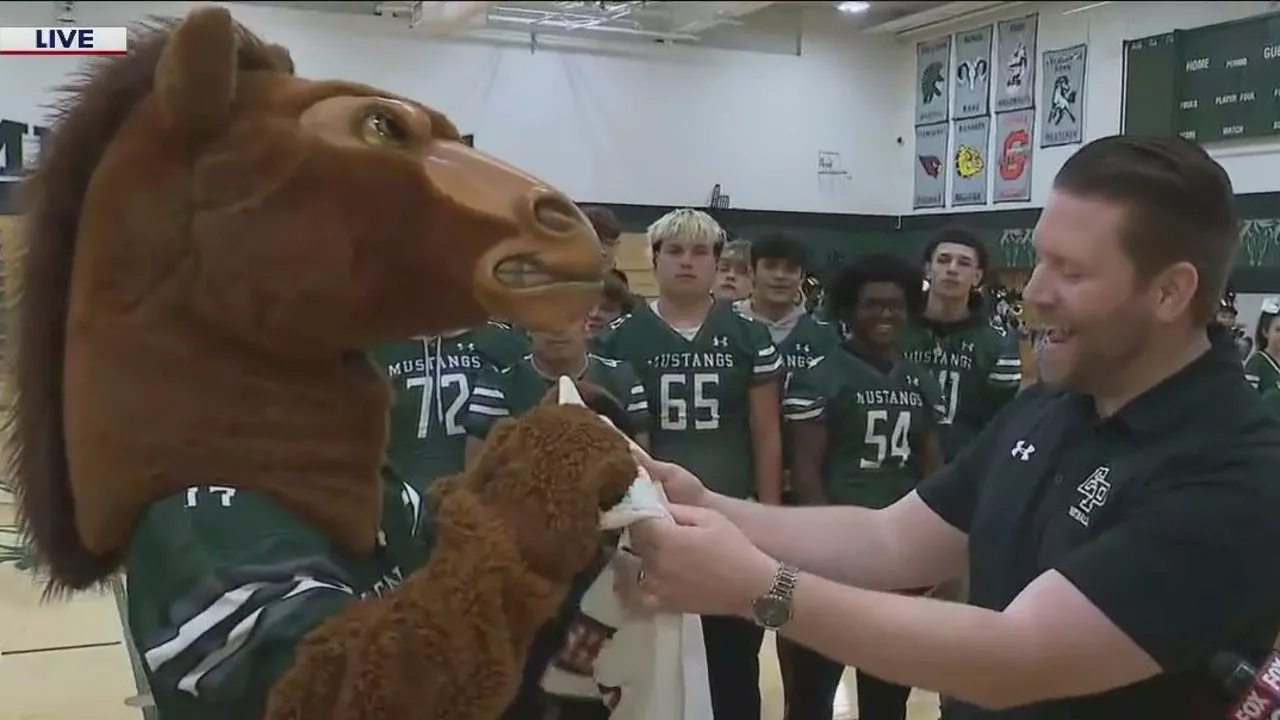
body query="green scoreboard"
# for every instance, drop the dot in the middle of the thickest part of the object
(1208, 84)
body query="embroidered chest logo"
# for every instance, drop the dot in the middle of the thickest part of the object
(967, 347)
(1023, 450)
(720, 341)
(1093, 495)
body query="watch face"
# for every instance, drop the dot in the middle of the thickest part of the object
(772, 611)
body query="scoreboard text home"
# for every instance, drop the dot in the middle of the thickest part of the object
(1212, 83)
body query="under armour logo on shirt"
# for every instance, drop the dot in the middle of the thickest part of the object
(720, 341)
(1022, 450)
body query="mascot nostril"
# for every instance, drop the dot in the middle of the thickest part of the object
(162, 427)
(556, 215)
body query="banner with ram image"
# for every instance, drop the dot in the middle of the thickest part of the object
(972, 97)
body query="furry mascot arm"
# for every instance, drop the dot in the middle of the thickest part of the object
(450, 643)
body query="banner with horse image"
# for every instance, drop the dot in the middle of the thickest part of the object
(933, 67)
(973, 142)
(1015, 67)
(930, 187)
(1013, 155)
(1062, 76)
(972, 96)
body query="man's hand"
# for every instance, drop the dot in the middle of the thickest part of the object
(700, 564)
(681, 486)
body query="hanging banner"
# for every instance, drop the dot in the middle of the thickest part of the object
(1015, 64)
(973, 74)
(1062, 75)
(1013, 155)
(969, 184)
(931, 152)
(933, 62)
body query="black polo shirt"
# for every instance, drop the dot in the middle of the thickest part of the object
(1165, 515)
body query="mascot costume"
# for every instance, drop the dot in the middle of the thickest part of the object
(211, 244)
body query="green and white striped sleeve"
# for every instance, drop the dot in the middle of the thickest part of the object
(801, 399)
(223, 584)
(488, 402)
(1006, 372)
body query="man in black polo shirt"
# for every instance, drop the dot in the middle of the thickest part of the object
(1121, 522)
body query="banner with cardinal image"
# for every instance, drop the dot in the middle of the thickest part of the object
(1062, 97)
(931, 162)
(1015, 86)
(973, 141)
(933, 63)
(972, 97)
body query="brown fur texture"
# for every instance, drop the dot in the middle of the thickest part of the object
(450, 643)
(212, 242)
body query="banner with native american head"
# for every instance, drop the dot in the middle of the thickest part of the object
(933, 69)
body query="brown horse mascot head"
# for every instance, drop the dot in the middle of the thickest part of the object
(211, 243)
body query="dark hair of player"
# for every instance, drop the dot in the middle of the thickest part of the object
(846, 287)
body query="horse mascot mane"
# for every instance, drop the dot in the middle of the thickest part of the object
(211, 245)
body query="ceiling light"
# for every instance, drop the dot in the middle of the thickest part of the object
(853, 7)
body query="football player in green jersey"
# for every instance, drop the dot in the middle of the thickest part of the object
(733, 272)
(515, 390)
(501, 343)
(975, 359)
(779, 269)
(433, 379)
(1263, 366)
(711, 377)
(615, 301)
(865, 427)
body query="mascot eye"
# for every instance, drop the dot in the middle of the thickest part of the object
(381, 129)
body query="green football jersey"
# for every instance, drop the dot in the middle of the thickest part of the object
(433, 379)
(876, 424)
(1262, 371)
(513, 391)
(809, 340)
(977, 365)
(502, 345)
(697, 385)
(223, 583)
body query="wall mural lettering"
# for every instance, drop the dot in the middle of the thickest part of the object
(19, 147)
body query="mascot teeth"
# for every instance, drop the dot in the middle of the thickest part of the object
(522, 273)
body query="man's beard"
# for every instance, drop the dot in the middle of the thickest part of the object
(1102, 356)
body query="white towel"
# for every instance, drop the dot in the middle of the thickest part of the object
(646, 666)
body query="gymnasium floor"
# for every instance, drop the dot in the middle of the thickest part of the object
(67, 661)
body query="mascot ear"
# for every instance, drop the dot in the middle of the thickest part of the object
(196, 77)
(281, 60)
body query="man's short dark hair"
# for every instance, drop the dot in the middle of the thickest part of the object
(958, 236)
(605, 223)
(847, 285)
(779, 246)
(1181, 207)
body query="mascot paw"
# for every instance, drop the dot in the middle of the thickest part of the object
(548, 476)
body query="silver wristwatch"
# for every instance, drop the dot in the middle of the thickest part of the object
(773, 609)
